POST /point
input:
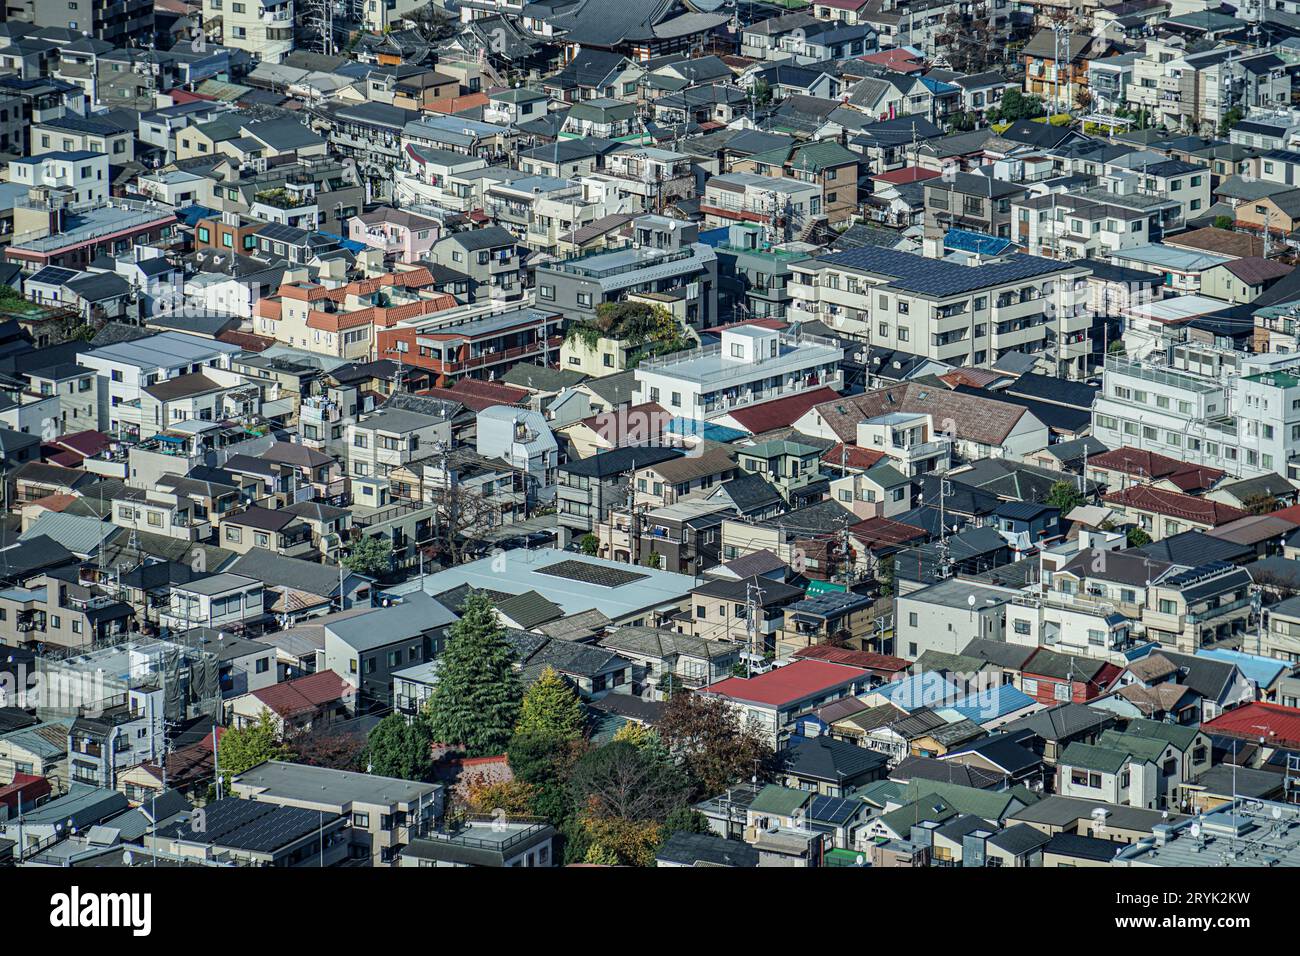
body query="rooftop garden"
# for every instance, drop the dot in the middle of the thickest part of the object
(650, 330)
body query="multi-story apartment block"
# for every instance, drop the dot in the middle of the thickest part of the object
(1235, 412)
(391, 438)
(749, 366)
(666, 256)
(263, 28)
(962, 315)
(475, 342)
(786, 206)
(1087, 225)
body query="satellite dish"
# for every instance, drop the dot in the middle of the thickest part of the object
(860, 860)
(1277, 813)
(970, 600)
(127, 858)
(1196, 830)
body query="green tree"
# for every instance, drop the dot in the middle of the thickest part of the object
(684, 819)
(398, 748)
(1064, 495)
(369, 555)
(1117, 347)
(243, 748)
(475, 703)
(1230, 119)
(655, 560)
(1223, 222)
(1137, 538)
(589, 544)
(1017, 106)
(551, 709)
(598, 855)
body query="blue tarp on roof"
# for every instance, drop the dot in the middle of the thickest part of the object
(708, 430)
(715, 237)
(965, 240)
(189, 215)
(351, 245)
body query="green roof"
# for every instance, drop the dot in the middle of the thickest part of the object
(779, 801)
(902, 820)
(1181, 737)
(986, 804)
(1274, 379)
(1091, 757)
(879, 792)
(770, 449)
(1139, 745)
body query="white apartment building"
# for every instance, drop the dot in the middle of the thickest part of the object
(749, 198)
(1233, 411)
(391, 438)
(82, 173)
(958, 314)
(1087, 225)
(748, 367)
(524, 440)
(125, 369)
(263, 28)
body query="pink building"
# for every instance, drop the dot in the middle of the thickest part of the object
(404, 236)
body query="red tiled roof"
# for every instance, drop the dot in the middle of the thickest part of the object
(842, 655)
(474, 403)
(1281, 725)
(85, 443)
(1152, 467)
(875, 531)
(781, 685)
(780, 413)
(974, 377)
(246, 340)
(908, 174)
(1175, 505)
(499, 393)
(852, 456)
(896, 59)
(1291, 514)
(304, 695)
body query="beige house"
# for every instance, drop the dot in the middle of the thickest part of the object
(385, 813)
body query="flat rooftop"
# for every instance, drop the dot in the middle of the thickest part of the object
(325, 787)
(575, 582)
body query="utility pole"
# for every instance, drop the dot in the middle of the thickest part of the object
(753, 607)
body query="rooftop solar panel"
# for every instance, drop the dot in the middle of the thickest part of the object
(592, 574)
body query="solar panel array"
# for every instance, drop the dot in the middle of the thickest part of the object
(914, 273)
(596, 574)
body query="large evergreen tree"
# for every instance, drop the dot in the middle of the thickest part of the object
(400, 749)
(551, 709)
(475, 703)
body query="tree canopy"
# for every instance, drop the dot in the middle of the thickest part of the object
(402, 749)
(475, 703)
(551, 709)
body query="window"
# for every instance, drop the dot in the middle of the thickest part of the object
(263, 665)
(1021, 627)
(1061, 691)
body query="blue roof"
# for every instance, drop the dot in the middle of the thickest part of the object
(708, 430)
(351, 245)
(919, 690)
(978, 243)
(991, 704)
(715, 237)
(189, 215)
(1261, 671)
